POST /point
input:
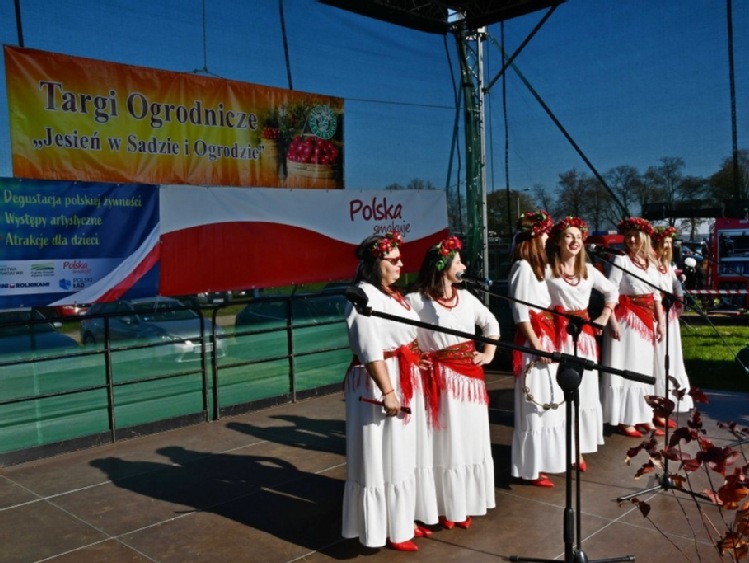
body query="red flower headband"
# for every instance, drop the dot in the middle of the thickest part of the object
(447, 248)
(534, 224)
(660, 233)
(386, 244)
(635, 224)
(568, 222)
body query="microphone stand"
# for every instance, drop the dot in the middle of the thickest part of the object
(664, 482)
(569, 376)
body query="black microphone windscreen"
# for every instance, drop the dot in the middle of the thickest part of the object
(356, 296)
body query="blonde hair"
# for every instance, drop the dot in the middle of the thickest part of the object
(644, 248)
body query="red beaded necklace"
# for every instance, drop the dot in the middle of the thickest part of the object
(637, 263)
(447, 303)
(570, 279)
(395, 294)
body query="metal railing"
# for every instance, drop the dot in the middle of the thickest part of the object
(53, 401)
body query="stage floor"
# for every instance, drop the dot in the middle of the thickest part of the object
(267, 486)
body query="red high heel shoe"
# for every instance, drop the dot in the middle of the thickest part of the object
(645, 429)
(422, 532)
(407, 545)
(583, 466)
(630, 432)
(662, 422)
(465, 524)
(445, 523)
(542, 481)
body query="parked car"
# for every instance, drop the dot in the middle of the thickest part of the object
(207, 298)
(304, 309)
(27, 330)
(152, 319)
(319, 336)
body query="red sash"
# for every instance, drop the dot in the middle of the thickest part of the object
(640, 306)
(459, 358)
(542, 324)
(561, 322)
(408, 358)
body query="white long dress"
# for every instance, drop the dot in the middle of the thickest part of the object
(623, 400)
(538, 439)
(463, 463)
(669, 282)
(383, 486)
(575, 298)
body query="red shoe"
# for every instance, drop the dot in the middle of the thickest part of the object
(540, 482)
(662, 422)
(583, 466)
(422, 532)
(465, 524)
(407, 545)
(645, 429)
(629, 431)
(445, 523)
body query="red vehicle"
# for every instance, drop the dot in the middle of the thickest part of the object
(727, 262)
(599, 241)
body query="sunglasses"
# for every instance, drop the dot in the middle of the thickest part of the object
(393, 261)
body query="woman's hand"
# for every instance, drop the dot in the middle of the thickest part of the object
(614, 329)
(391, 404)
(601, 320)
(482, 358)
(536, 345)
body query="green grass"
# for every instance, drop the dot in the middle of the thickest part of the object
(710, 356)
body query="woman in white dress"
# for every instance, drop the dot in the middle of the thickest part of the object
(678, 385)
(538, 438)
(633, 332)
(571, 279)
(456, 396)
(382, 441)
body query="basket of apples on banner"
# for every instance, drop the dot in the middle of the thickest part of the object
(310, 156)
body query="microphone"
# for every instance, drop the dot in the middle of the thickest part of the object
(483, 282)
(602, 250)
(359, 299)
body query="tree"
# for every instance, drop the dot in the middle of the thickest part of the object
(572, 195)
(497, 209)
(626, 183)
(663, 182)
(692, 189)
(721, 183)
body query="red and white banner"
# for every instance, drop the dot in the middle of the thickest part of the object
(231, 239)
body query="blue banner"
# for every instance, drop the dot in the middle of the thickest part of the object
(60, 241)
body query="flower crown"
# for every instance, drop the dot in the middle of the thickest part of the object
(635, 224)
(386, 244)
(535, 223)
(568, 222)
(660, 233)
(447, 249)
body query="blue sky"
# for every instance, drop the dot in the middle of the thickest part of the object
(631, 81)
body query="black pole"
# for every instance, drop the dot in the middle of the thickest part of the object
(19, 27)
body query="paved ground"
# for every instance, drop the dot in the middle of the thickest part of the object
(267, 486)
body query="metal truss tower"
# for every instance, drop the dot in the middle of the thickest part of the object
(470, 49)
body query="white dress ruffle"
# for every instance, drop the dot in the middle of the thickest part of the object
(463, 463)
(538, 438)
(383, 485)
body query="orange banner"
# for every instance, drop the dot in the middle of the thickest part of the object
(82, 119)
